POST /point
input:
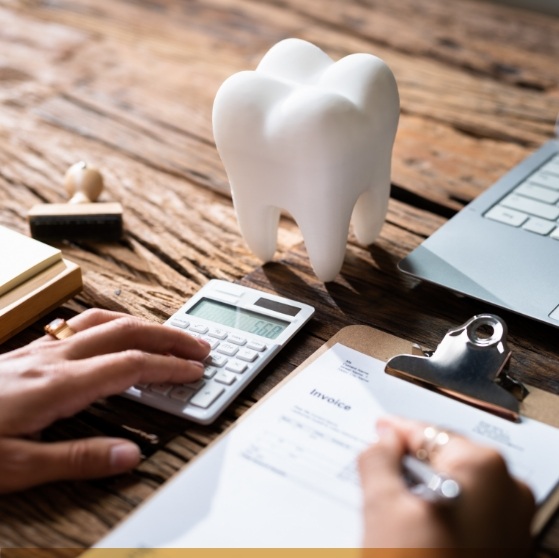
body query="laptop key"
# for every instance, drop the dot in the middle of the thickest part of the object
(532, 207)
(546, 178)
(538, 226)
(506, 215)
(546, 195)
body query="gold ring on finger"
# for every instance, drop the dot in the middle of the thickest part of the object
(433, 440)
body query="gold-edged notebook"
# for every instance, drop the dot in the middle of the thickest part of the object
(34, 279)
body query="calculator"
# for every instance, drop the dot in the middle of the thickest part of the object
(245, 328)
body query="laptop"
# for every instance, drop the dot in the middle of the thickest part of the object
(503, 247)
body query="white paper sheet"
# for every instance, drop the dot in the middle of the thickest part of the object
(286, 475)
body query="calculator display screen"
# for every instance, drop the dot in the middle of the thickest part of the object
(233, 316)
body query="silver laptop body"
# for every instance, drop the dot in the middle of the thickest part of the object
(503, 247)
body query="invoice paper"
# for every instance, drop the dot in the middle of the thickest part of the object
(286, 475)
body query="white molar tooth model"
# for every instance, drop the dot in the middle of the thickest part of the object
(313, 137)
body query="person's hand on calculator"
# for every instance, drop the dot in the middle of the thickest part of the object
(95, 354)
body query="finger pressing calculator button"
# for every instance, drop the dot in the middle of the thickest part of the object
(210, 372)
(216, 360)
(247, 354)
(195, 385)
(207, 395)
(162, 389)
(213, 343)
(181, 393)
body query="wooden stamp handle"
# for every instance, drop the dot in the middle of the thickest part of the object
(83, 183)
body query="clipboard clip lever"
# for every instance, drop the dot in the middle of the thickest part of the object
(469, 365)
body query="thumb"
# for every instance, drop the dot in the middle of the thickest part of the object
(380, 465)
(26, 463)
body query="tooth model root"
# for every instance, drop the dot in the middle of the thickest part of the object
(259, 227)
(312, 137)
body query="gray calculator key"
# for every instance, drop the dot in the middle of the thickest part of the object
(218, 333)
(227, 349)
(161, 389)
(199, 328)
(226, 378)
(247, 354)
(210, 372)
(207, 395)
(236, 339)
(236, 366)
(195, 385)
(256, 346)
(181, 393)
(216, 360)
(177, 322)
(213, 343)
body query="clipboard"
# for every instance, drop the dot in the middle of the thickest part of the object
(198, 480)
(537, 404)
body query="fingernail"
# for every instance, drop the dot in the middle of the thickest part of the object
(204, 344)
(197, 364)
(124, 456)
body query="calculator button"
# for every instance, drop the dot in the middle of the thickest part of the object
(213, 343)
(226, 378)
(199, 328)
(206, 396)
(210, 372)
(256, 346)
(218, 333)
(177, 322)
(216, 360)
(236, 366)
(195, 385)
(247, 354)
(141, 386)
(161, 389)
(227, 349)
(181, 393)
(237, 339)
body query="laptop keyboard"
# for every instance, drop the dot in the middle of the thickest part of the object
(533, 205)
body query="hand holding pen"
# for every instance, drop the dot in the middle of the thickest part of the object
(485, 508)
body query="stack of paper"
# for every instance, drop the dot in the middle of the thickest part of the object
(34, 279)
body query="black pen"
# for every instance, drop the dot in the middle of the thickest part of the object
(427, 483)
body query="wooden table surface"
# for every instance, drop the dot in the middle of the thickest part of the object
(129, 87)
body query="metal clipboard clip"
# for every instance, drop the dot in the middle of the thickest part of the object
(468, 365)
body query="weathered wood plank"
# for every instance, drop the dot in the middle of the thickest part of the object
(178, 139)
